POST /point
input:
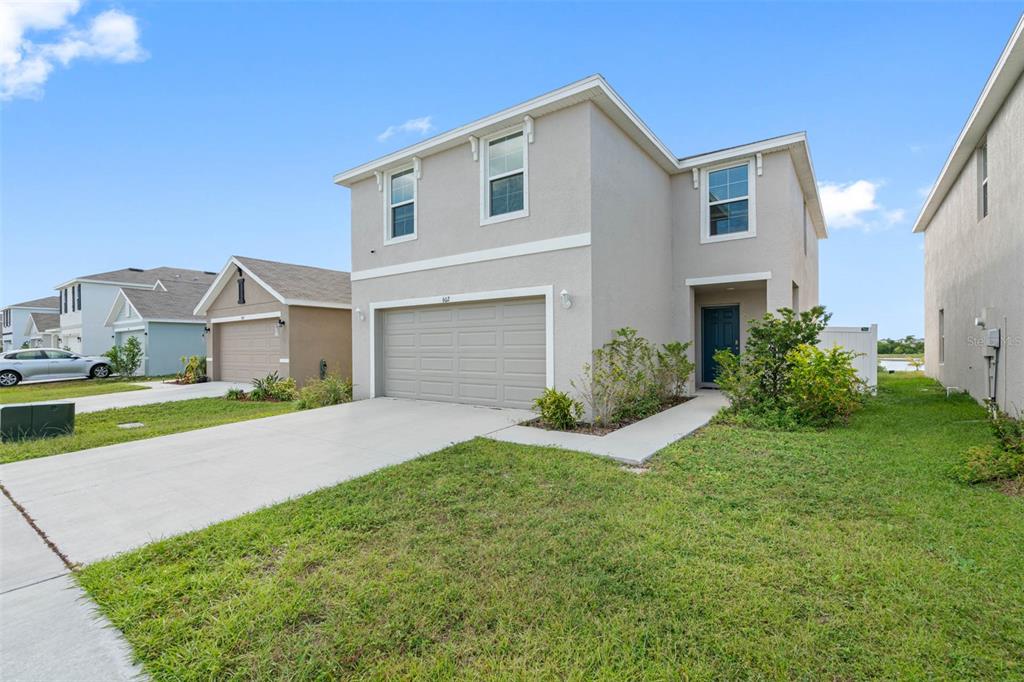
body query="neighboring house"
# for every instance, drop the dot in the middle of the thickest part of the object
(163, 321)
(15, 319)
(973, 225)
(489, 261)
(43, 329)
(263, 316)
(85, 303)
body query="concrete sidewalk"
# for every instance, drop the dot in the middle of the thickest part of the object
(157, 392)
(633, 444)
(49, 630)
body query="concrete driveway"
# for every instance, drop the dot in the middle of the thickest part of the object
(95, 503)
(157, 392)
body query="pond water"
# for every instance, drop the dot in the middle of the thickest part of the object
(896, 365)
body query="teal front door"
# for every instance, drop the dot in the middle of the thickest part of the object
(720, 328)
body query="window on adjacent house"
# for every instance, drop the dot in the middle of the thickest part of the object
(402, 204)
(942, 335)
(982, 181)
(64, 300)
(79, 297)
(728, 200)
(505, 176)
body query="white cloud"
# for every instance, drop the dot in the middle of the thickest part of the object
(924, 191)
(854, 205)
(420, 126)
(25, 64)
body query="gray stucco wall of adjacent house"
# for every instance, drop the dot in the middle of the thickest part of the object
(974, 267)
(630, 234)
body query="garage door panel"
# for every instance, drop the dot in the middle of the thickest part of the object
(488, 353)
(248, 349)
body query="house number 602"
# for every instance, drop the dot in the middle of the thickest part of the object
(446, 299)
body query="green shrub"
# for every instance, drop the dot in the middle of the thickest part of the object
(558, 410)
(235, 394)
(125, 359)
(823, 387)
(1009, 431)
(193, 371)
(629, 378)
(331, 390)
(981, 463)
(675, 368)
(272, 387)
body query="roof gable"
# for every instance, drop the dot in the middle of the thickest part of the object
(288, 283)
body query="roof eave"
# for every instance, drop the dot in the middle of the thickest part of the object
(1000, 84)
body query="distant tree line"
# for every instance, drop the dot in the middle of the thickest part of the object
(908, 345)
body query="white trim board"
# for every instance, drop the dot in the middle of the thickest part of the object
(728, 279)
(242, 318)
(525, 249)
(524, 292)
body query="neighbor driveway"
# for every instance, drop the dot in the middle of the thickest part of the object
(158, 392)
(95, 503)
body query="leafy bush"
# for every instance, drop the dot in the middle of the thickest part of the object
(272, 387)
(1008, 431)
(125, 359)
(630, 379)
(331, 390)
(558, 410)
(235, 394)
(823, 386)
(987, 463)
(194, 370)
(675, 368)
(758, 380)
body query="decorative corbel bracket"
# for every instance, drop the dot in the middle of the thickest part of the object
(474, 146)
(696, 177)
(380, 180)
(528, 128)
(759, 163)
(417, 167)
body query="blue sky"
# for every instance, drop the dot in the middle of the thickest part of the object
(178, 133)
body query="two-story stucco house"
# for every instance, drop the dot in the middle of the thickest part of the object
(85, 302)
(973, 225)
(489, 261)
(16, 320)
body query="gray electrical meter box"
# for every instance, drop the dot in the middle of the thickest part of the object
(992, 338)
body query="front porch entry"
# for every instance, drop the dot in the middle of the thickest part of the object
(720, 329)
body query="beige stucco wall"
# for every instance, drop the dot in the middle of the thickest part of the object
(315, 334)
(631, 234)
(975, 268)
(448, 198)
(257, 300)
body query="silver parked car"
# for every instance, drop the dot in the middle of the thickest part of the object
(49, 363)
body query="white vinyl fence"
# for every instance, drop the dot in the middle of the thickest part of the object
(860, 340)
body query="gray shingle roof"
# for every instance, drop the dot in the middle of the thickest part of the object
(44, 321)
(47, 302)
(150, 276)
(302, 282)
(177, 303)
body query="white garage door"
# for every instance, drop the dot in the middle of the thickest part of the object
(482, 353)
(248, 349)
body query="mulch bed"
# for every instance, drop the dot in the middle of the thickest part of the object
(605, 429)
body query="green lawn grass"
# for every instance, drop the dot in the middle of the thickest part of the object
(94, 429)
(740, 554)
(57, 390)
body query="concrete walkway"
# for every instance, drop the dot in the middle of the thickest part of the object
(633, 444)
(157, 392)
(49, 630)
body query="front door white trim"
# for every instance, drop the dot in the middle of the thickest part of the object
(524, 292)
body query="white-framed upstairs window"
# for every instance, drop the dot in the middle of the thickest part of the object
(504, 177)
(727, 202)
(400, 219)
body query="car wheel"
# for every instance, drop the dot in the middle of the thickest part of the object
(9, 378)
(100, 372)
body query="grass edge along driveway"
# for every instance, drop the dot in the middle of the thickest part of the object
(740, 553)
(62, 390)
(96, 429)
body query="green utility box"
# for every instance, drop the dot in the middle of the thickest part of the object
(20, 422)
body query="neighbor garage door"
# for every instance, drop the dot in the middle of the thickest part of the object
(247, 349)
(483, 353)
